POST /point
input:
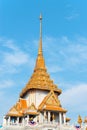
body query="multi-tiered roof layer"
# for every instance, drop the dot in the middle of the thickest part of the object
(40, 79)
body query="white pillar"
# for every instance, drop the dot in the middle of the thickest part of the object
(44, 116)
(53, 117)
(48, 116)
(23, 121)
(4, 121)
(27, 119)
(17, 120)
(60, 118)
(9, 120)
(35, 119)
(40, 118)
(64, 118)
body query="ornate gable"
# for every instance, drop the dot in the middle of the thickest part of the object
(31, 110)
(51, 100)
(32, 107)
(51, 103)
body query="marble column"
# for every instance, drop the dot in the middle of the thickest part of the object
(23, 121)
(44, 116)
(48, 116)
(27, 119)
(17, 120)
(53, 117)
(64, 118)
(60, 118)
(9, 120)
(4, 121)
(35, 119)
(40, 118)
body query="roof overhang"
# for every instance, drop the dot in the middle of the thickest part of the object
(54, 108)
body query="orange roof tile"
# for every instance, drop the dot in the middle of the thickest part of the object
(23, 103)
(19, 108)
(14, 112)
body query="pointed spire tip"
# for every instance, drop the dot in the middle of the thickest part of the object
(40, 16)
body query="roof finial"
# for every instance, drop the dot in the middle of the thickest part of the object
(40, 42)
(40, 26)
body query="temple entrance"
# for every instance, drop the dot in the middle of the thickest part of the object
(51, 116)
(13, 120)
(32, 119)
(20, 120)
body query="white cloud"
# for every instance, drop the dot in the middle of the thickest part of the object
(6, 83)
(76, 98)
(1, 94)
(54, 68)
(72, 16)
(69, 53)
(12, 56)
(10, 44)
(16, 58)
(7, 101)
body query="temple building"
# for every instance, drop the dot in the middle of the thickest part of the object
(38, 102)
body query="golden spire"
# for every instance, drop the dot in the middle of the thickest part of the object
(40, 42)
(40, 63)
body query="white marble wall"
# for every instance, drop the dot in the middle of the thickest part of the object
(35, 96)
(40, 95)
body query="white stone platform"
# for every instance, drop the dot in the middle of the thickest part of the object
(41, 127)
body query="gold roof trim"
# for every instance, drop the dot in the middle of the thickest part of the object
(54, 108)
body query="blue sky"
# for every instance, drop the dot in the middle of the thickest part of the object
(64, 47)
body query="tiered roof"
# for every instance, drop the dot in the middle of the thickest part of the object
(40, 79)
